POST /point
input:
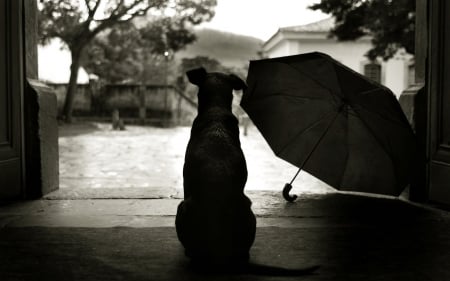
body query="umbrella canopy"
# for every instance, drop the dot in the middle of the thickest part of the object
(332, 122)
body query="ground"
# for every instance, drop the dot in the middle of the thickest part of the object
(114, 219)
(145, 161)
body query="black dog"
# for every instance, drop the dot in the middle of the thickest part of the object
(215, 222)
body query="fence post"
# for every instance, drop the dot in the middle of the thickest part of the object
(142, 103)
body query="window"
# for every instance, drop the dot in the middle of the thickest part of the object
(373, 71)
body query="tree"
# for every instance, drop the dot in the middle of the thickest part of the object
(132, 54)
(114, 56)
(389, 22)
(78, 22)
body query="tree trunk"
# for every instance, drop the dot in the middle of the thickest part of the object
(72, 87)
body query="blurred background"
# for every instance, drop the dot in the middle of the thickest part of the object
(125, 106)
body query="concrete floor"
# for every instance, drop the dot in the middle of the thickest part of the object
(270, 208)
(353, 237)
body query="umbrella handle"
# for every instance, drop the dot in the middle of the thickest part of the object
(288, 186)
(286, 195)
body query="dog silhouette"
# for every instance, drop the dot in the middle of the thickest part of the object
(214, 222)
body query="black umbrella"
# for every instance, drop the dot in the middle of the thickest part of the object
(332, 122)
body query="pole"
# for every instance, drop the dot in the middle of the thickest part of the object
(166, 86)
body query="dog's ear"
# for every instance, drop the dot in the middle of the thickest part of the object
(237, 83)
(196, 76)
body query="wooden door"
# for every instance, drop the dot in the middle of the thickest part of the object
(10, 99)
(439, 102)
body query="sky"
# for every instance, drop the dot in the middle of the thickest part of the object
(262, 18)
(257, 18)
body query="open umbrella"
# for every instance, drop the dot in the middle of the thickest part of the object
(332, 122)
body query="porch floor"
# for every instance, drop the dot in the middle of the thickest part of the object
(352, 237)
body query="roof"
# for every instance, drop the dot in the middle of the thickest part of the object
(319, 26)
(318, 30)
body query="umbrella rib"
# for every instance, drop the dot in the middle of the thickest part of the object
(316, 145)
(278, 94)
(399, 123)
(365, 92)
(311, 77)
(373, 90)
(306, 129)
(359, 106)
(375, 136)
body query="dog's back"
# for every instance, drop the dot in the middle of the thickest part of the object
(215, 222)
(214, 167)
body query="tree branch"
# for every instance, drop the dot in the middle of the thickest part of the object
(94, 10)
(140, 12)
(116, 16)
(117, 8)
(88, 6)
(117, 13)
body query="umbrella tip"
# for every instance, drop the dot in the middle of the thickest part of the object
(286, 195)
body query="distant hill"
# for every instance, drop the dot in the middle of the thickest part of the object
(230, 49)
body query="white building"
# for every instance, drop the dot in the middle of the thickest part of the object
(396, 73)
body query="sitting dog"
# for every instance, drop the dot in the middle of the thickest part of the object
(214, 222)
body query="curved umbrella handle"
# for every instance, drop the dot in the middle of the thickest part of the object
(286, 195)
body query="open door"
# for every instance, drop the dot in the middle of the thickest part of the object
(11, 92)
(439, 102)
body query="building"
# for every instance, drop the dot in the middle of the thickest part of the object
(396, 73)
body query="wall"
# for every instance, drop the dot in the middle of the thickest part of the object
(397, 74)
(279, 50)
(82, 102)
(132, 100)
(156, 99)
(39, 123)
(352, 54)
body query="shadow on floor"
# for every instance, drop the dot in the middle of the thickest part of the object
(351, 237)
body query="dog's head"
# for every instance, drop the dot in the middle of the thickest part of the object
(200, 77)
(215, 87)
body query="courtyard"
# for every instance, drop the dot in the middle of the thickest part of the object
(147, 162)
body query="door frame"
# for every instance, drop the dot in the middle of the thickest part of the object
(13, 149)
(438, 153)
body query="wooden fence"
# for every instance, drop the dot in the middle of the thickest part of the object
(149, 103)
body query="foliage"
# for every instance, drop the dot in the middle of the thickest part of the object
(389, 22)
(114, 56)
(131, 54)
(78, 22)
(167, 34)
